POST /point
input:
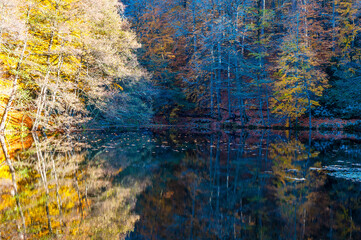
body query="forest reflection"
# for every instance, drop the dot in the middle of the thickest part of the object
(50, 190)
(173, 185)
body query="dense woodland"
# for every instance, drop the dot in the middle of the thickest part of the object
(227, 59)
(66, 63)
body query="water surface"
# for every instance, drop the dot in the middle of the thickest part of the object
(171, 184)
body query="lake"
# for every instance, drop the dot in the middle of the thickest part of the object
(177, 184)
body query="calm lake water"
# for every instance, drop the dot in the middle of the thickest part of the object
(169, 184)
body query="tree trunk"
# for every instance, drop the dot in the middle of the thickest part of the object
(13, 179)
(333, 25)
(213, 76)
(14, 90)
(229, 87)
(219, 100)
(42, 97)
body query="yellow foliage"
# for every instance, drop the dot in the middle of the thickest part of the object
(299, 79)
(4, 171)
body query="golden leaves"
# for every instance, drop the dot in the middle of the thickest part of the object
(299, 80)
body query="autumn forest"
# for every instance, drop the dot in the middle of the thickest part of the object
(68, 64)
(260, 62)
(180, 119)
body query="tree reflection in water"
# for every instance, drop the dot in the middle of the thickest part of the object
(171, 185)
(53, 191)
(248, 185)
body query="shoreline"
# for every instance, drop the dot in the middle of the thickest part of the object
(328, 126)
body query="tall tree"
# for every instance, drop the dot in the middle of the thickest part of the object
(75, 59)
(301, 78)
(13, 46)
